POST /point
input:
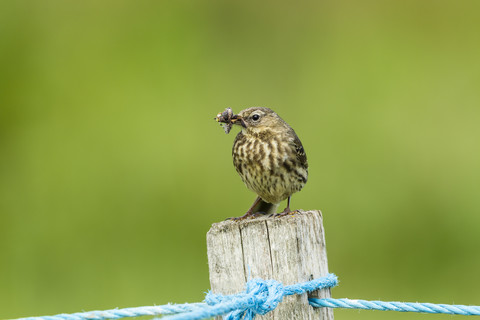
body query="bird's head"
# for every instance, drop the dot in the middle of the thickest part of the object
(257, 119)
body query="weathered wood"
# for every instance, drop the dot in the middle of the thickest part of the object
(289, 249)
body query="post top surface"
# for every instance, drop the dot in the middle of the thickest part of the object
(218, 226)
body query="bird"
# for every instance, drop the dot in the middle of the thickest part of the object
(269, 157)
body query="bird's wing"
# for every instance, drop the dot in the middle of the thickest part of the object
(300, 152)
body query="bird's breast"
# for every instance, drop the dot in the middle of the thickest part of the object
(268, 166)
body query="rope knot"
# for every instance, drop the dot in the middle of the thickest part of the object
(266, 295)
(260, 296)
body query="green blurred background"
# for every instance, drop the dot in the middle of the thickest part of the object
(112, 169)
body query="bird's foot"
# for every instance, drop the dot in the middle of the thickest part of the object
(249, 214)
(284, 213)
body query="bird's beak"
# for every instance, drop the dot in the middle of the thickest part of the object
(236, 119)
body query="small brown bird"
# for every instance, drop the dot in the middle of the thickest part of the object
(268, 156)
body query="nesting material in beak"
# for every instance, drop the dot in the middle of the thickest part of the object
(225, 119)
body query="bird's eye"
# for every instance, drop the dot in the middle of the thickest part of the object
(255, 117)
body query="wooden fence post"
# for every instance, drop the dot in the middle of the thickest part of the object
(289, 249)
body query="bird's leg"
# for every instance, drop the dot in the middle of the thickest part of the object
(251, 212)
(287, 210)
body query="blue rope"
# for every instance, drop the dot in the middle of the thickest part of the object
(396, 306)
(124, 313)
(260, 296)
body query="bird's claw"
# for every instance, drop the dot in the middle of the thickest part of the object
(283, 214)
(248, 215)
